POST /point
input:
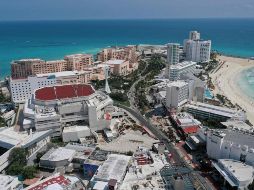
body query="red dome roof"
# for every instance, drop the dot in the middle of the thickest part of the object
(63, 92)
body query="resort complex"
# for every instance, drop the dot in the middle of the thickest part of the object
(135, 117)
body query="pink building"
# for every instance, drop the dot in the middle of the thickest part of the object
(120, 67)
(125, 53)
(27, 67)
(79, 62)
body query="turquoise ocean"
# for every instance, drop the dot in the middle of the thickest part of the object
(51, 40)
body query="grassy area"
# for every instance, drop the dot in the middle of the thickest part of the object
(154, 67)
(125, 103)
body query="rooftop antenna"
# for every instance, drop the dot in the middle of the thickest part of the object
(106, 72)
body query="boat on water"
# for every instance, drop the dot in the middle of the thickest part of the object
(252, 58)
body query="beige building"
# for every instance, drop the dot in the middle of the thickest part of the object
(125, 53)
(49, 67)
(23, 68)
(79, 62)
(28, 67)
(120, 67)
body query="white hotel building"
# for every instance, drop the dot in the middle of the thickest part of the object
(179, 69)
(195, 49)
(235, 142)
(22, 89)
(58, 106)
(177, 94)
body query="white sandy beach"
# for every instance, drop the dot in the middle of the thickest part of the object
(224, 81)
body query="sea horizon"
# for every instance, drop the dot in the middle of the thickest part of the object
(53, 39)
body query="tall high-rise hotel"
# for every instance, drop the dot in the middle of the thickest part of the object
(172, 57)
(196, 49)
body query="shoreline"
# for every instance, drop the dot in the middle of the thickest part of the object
(225, 82)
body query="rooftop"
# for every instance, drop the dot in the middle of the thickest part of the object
(178, 83)
(240, 125)
(57, 182)
(78, 55)
(234, 171)
(64, 92)
(213, 109)
(26, 60)
(9, 137)
(59, 74)
(75, 129)
(183, 65)
(113, 168)
(59, 154)
(115, 61)
(5, 180)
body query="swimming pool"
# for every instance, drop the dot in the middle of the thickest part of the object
(208, 94)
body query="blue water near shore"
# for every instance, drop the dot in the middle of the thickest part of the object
(51, 40)
(54, 39)
(246, 82)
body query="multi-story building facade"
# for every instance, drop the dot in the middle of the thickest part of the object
(194, 35)
(120, 67)
(79, 62)
(28, 67)
(24, 67)
(232, 143)
(172, 57)
(49, 67)
(218, 113)
(22, 89)
(197, 50)
(177, 94)
(59, 105)
(125, 53)
(185, 67)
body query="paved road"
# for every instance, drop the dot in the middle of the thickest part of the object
(179, 161)
(159, 134)
(131, 93)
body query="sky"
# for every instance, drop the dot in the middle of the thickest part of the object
(123, 9)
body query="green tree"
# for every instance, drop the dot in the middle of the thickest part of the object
(15, 169)
(119, 96)
(29, 172)
(18, 155)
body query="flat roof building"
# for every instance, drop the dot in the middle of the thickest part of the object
(120, 67)
(9, 182)
(113, 168)
(55, 158)
(74, 133)
(29, 67)
(58, 106)
(182, 68)
(205, 111)
(57, 182)
(237, 175)
(33, 142)
(186, 123)
(231, 143)
(196, 49)
(122, 53)
(172, 57)
(177, 94)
